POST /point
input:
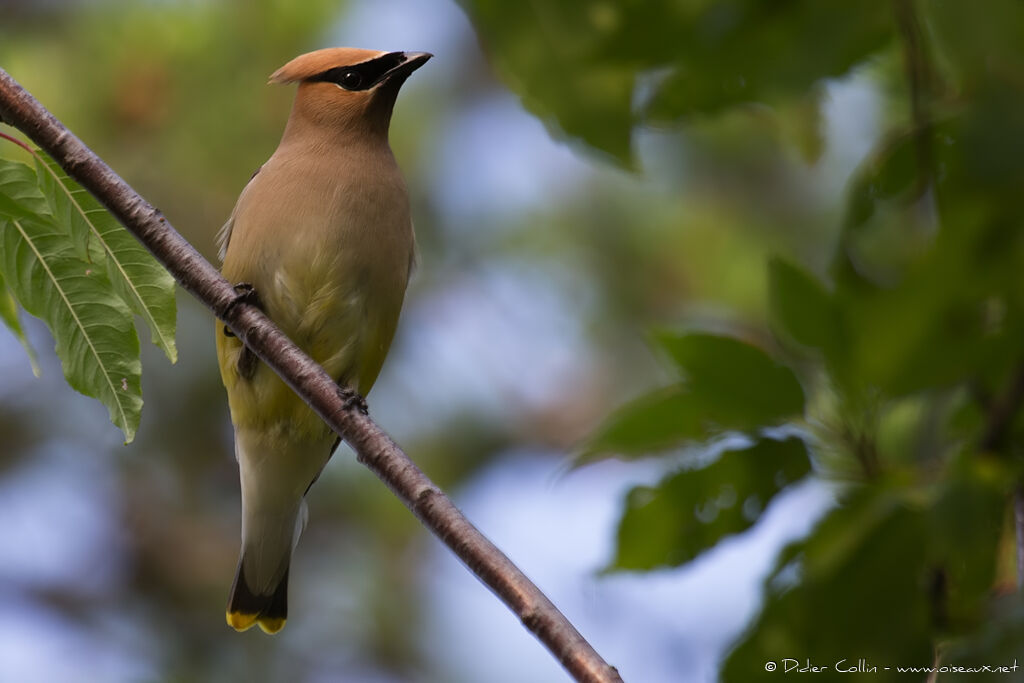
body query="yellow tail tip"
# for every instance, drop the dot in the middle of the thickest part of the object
(269, 625)
(240, 621)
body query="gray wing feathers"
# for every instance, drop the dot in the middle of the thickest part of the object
(224, 234)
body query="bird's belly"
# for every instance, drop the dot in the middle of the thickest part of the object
(338, 306)
(330, 271)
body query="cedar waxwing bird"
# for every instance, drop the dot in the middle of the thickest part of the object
(321, 238)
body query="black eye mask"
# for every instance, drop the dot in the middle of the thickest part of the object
(362, 76)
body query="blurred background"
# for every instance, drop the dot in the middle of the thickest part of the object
(544, 264)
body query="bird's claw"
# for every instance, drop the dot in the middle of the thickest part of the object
(246, 294)
(353, 401)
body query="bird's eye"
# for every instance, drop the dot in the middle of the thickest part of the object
(350, 80)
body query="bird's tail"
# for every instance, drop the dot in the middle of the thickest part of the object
(259, 594)
(246, 607)
(274, 479)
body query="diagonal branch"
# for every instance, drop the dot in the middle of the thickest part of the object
(373, 446)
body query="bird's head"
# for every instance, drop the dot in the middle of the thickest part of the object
(348, 89)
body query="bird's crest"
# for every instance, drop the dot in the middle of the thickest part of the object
(314, 63)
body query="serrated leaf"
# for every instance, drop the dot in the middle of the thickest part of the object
(738, 385)
(146, 287)
(64, 211)
(801, 307)
(92, 327)
(20, 197)
(660, 420)
(9, 314)
(691, 511)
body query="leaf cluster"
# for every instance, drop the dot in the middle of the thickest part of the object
(67, 261)
(897, 368)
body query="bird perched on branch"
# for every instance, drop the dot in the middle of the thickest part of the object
(322, 241)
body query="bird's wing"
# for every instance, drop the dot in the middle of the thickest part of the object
(224, 234)
(414, 258)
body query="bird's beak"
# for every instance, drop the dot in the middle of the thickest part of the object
(412, 61)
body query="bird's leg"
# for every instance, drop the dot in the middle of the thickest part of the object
(352, 400)
(246, 359)
(246, 295)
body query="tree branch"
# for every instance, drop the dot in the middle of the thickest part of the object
(373, 446)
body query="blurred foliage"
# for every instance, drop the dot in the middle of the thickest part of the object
(168, 87)
(688, 512)
(581, 65)
(924, 554)
(715, 395)
(910, 351)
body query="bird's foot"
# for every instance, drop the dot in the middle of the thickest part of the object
(246, 294)
(352, 400)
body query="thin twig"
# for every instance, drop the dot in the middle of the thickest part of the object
(373, 446)
(920, 82)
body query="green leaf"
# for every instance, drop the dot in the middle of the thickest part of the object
(980, 150)
(996, 643)
(65, 211)
(979, 46)
(932, 329)
(981, 622)
(20, 197)
(801, 307)
(660, 420)
(890, 173)
(9, 314)
(544, 52)
(966, 520)
(576, 63)
(691, 511)
(93, 328)
(738, 385)
(927, 283)
(749, 51)
(856, 588)
(729, 385)
(146, 287)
